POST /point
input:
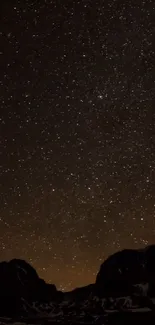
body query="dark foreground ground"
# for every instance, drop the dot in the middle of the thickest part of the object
(114, 318)
(131, 318)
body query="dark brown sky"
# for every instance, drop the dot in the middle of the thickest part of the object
(77, 134)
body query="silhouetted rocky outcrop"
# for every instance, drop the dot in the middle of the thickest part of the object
(79, 294)
(20, 282)
(125, 282)
(121, 273)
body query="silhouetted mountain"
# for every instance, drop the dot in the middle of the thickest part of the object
(19, 281)
(124, 283)
(79, 294)
(121, 272)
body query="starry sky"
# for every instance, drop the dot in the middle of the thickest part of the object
(77, 133)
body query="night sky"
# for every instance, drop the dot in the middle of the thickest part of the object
(77, 133)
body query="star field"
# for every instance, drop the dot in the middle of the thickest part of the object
(77, 134)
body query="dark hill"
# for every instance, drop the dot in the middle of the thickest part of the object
(125, 282)
(19, 281)
(119, 274)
